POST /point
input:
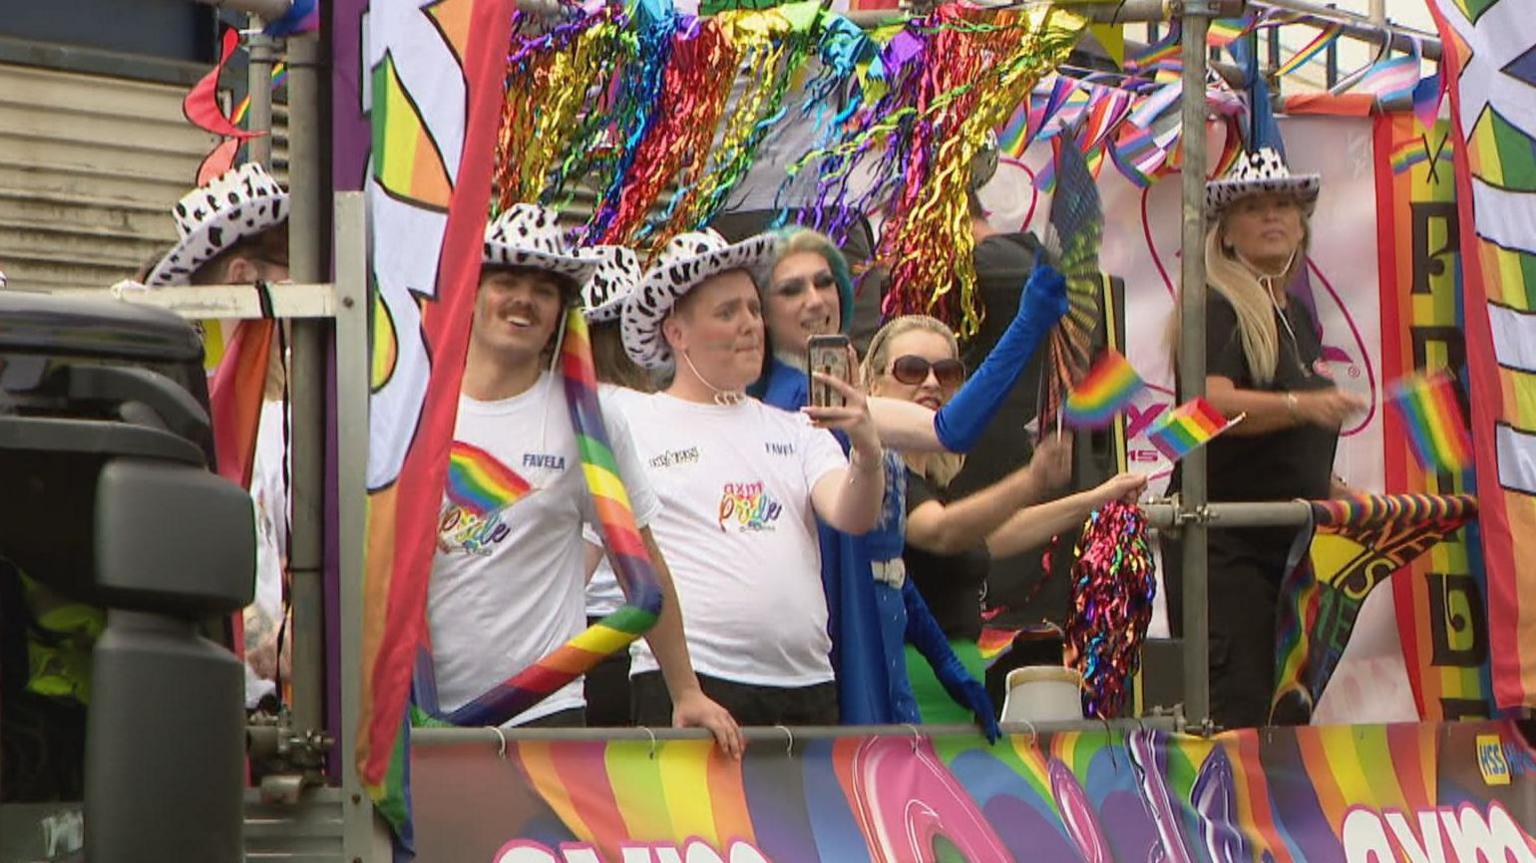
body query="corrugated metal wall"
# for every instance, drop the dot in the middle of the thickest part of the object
(89, 169)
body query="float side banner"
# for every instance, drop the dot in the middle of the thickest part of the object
(1458, 792)
(1446, 645)
(1490, 60)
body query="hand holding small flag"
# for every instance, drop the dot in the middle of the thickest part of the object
(1187, 427)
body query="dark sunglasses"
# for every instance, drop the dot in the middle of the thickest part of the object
(913, 370)
(821, 281)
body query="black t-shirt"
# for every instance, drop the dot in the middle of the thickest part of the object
(951, 584)
(1295, 462)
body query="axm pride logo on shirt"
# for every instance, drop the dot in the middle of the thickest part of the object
(462, 530)
(748, 506)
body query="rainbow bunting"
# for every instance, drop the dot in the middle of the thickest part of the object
(1187, 427)
(477, 482)
(1109, 386)
(1435, 423)
(1225, 31)
(1312, 49)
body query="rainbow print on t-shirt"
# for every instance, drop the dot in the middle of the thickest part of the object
(480, 484)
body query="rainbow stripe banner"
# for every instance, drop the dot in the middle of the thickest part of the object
(1187, 427)
(1108, 388)
(1347, 549)
(1319, 43)
(1340, 793)
(1434, 420)
(1490, 64)
(1439, 596)
(429, 192)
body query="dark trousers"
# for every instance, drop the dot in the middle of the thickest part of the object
(607, 689)
(747, 704)
(1244, 590)
(574, 717)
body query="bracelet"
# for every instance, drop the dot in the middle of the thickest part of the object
(1291, 403)
(858, 463)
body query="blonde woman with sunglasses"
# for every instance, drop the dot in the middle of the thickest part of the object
(950, 542)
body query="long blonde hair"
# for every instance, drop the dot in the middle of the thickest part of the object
(1253, 303)
(939, 468)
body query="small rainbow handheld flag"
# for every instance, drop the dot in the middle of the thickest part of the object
(1108, 387)
(1187, 427)
(1428, 406)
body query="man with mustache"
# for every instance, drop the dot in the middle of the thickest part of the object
(507, 580)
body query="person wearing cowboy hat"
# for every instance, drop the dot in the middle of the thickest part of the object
(741, 486)
(508, 576)
(1264, 359)
(233, 230)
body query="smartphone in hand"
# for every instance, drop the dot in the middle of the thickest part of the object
(831, 356)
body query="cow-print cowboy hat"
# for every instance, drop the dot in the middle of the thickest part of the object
(1260, 171)
(238, 204)
(689, 259)
(617, 275)
(525, 235)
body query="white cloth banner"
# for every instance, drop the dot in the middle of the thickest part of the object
(1141, 245)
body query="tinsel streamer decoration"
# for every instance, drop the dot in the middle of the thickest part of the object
(871, 135)
(1113, 583)
(983, 64)
(841, 49)
(696, 85)
(772, 46)
(549, 88)
(632, 109)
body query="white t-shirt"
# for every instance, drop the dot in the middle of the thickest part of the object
(269, 494)
(739, 535)
(507, 578)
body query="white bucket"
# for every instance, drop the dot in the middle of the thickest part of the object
(1043, 693)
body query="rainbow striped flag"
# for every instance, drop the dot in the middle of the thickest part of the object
(1311, 50)
(1187, 427)
(1435, 424)
(428, 203)
(1108, 388)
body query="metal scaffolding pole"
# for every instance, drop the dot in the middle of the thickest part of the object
(309, 262)
(1197, 15)
(261, 52)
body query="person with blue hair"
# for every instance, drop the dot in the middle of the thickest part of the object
(874, 610)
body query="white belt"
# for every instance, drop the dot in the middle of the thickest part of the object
(892, 572)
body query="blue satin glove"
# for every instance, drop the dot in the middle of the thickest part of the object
(960, 423)
(923, 633)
